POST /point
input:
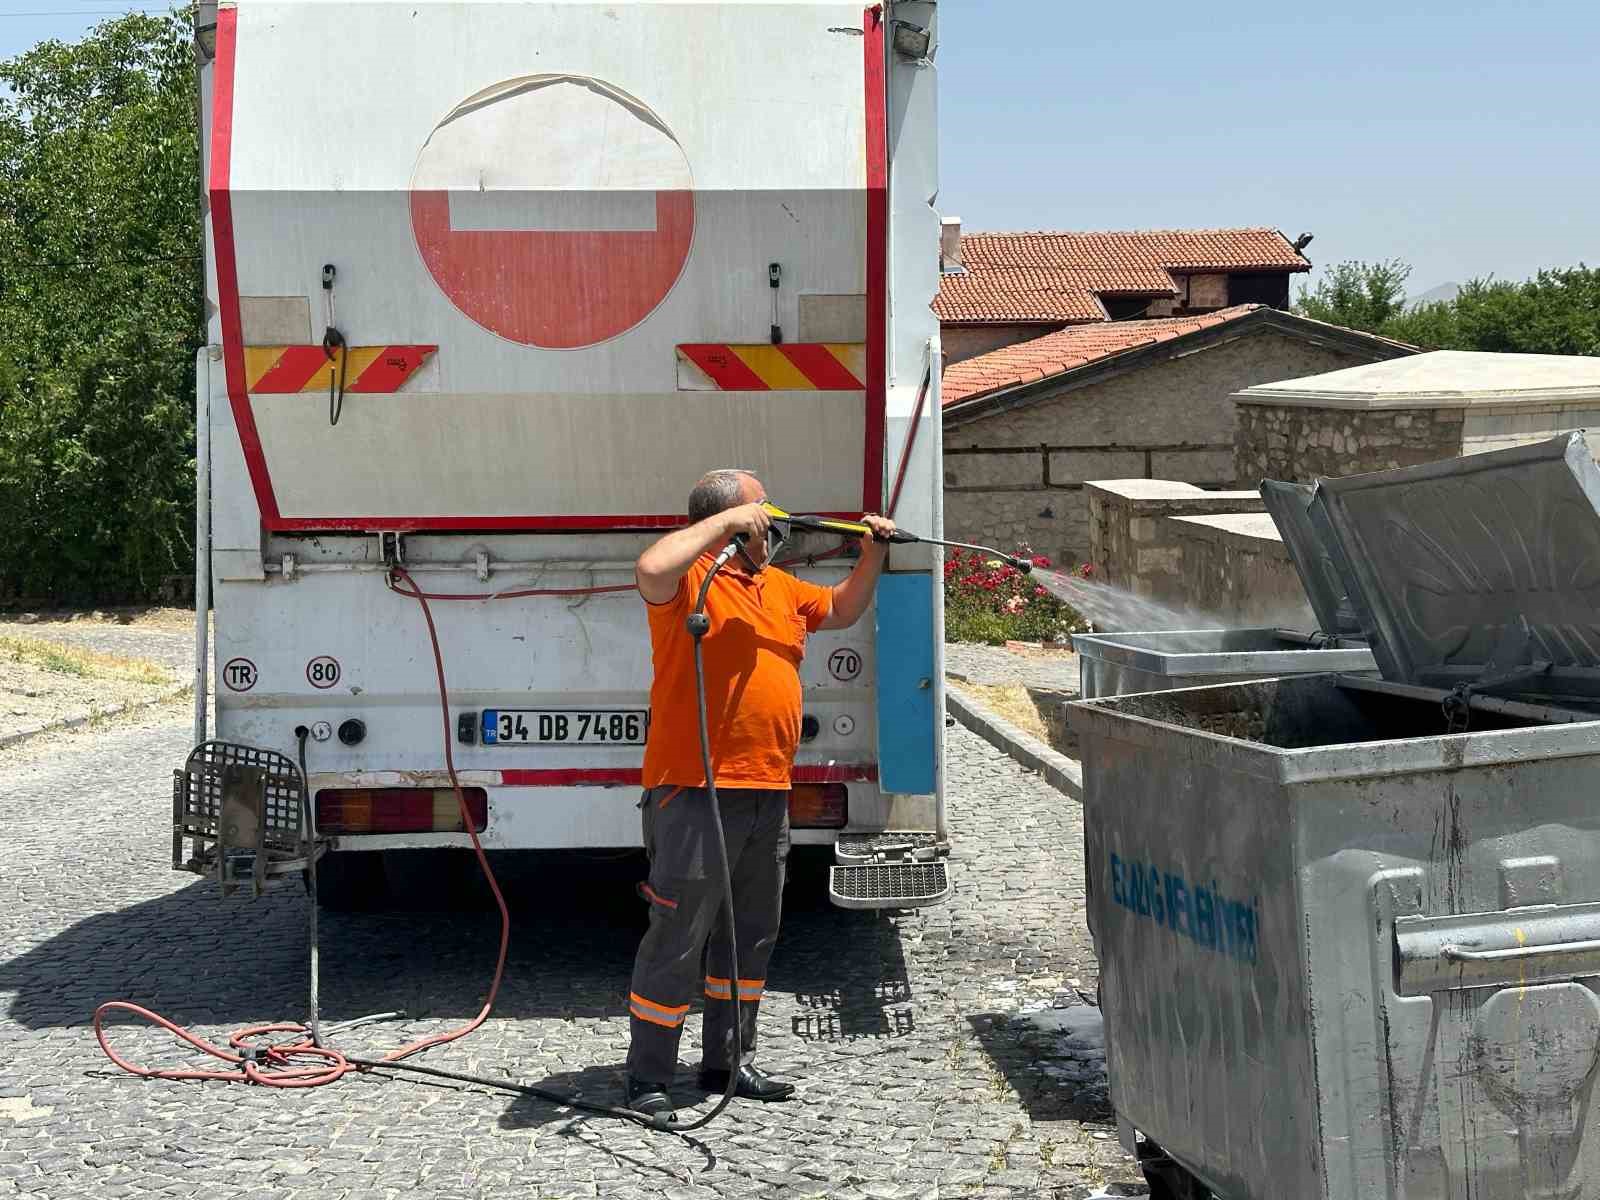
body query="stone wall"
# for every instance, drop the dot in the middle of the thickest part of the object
(1132, 543)
(1018, 475)
(1236, 568)
(1291, 441)
(968, 341)
(1500, 426)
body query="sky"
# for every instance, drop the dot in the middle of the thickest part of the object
(26, 22)
(1460, 136)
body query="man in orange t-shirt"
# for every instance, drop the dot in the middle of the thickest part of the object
(760, 617)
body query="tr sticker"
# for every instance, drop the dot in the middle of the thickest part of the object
(844, 664)
(239, 674)
(322, 671)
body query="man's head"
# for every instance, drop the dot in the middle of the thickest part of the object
(727, 488)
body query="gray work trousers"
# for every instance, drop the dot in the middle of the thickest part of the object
(675, 958)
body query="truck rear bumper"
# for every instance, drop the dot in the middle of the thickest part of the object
(572, 818)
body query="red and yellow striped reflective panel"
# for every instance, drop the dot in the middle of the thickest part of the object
(760, 367)
(278, 370)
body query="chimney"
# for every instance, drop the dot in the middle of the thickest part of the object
(950, 246)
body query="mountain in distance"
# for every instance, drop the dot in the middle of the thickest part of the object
(1444, 292)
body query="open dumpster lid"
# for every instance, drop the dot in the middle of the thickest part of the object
(1316, 559)
(1482, 570)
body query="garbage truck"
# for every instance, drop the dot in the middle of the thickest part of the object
(489, 286)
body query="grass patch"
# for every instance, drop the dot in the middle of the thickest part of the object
(1012, 702)
(1039, 715)
(85, 664)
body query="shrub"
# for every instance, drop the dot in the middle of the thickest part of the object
(987, 601)
(100, 312)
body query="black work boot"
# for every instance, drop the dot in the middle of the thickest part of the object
(648, 1098)
(753, 1084)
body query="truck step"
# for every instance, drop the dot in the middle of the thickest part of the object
(238, 815)
(852, 848)
(888, 885)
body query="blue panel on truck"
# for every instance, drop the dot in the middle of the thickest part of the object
(906, 749)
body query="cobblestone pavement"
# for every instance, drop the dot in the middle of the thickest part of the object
(929, 1057)
(1055, 672)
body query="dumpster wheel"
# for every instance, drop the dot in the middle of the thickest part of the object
(1169, 1179)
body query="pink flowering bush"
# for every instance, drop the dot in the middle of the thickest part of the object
(987, 601)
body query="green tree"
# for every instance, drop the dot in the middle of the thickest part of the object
(1431, 326)
(1357, 295)
(1555, 312)
(100, 311)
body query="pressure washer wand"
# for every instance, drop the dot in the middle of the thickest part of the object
(817, 524)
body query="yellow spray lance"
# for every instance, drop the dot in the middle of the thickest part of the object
(784, 522)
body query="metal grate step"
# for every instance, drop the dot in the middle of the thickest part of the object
(864, 847)
(238, 815)
(888, 885)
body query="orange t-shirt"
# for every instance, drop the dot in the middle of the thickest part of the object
(752, 654)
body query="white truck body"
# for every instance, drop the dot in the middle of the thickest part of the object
(551, 226)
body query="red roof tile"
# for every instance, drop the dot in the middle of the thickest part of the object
(1055, 277)
(1067, 349)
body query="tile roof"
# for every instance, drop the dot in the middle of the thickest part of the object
(1055, 277)
(1067, 349)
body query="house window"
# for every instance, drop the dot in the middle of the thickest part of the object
(1126, 308)
(1259, 287)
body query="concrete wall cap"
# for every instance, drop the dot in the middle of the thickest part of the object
(1246, 527)
(1147, 489)
(1440, 379)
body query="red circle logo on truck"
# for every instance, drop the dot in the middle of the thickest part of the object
(554, 210)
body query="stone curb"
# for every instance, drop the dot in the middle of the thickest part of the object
(1059, 771)
(113, 710)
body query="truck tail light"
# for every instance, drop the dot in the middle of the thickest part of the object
(398, 810)
(819, 806)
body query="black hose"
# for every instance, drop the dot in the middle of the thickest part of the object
(521, 1089)
(333, 341)
(300, 734)
(699, 626)
(371, 1064)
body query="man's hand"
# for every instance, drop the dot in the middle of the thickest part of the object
(749, 519)
(850, 598)
(881, 527)
(661, 567)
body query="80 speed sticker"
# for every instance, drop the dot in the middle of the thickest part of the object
(323, 671)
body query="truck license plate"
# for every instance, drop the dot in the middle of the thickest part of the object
(565, 726)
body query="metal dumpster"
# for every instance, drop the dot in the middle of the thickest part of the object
(1118, 664)
(1349, 928)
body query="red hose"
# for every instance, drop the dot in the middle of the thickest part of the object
(276, 1065)
(281, 1064)
(911, 440)
(415, 594)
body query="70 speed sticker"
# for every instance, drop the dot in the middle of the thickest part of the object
(844, 664)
